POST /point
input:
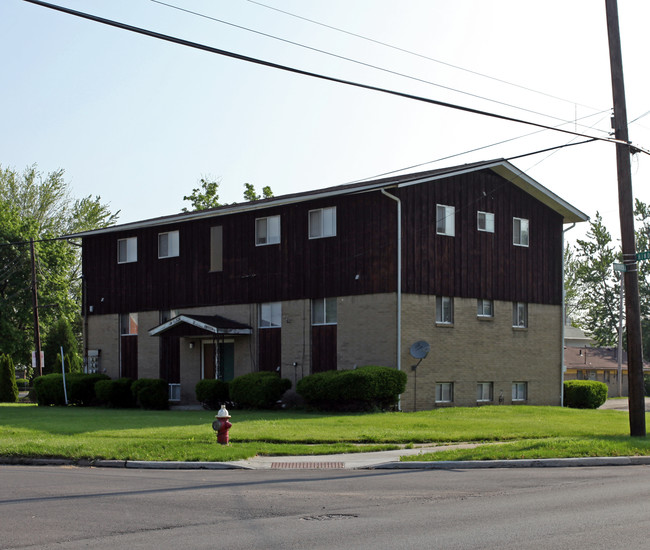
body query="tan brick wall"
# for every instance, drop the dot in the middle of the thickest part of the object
(367, 331)
(475, 350)
(148, 346)
(296, 338)
(103, 334)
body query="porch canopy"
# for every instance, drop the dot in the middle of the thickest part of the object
(199, 325)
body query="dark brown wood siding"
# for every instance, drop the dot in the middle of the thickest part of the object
(323, 348)
(129, 356)
(170, 359)
(360, 259)
(478, 264)
(270, 349)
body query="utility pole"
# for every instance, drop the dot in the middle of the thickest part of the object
(37, 328)
(626, 214)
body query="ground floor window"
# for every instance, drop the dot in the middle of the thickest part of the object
(174, 392)
(444, 392)
(519, 391)
(484, 391)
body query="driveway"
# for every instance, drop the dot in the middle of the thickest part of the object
(622, 404)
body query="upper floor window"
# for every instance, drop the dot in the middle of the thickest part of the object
(323, 311)
(485, 221)
(127, 250)
(168, 244)
(271, 315)
(445, 223)
(444, 310)
(520, 231)
(484, 308)
(519, 315)
(128, 324)
(267, 230)
(322, 223)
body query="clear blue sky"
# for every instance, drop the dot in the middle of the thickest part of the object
(139, 121)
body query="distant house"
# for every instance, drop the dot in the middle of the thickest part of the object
(468, 259)
(575, 337)
(600, 364)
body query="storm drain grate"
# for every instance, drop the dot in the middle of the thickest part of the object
(307, 465)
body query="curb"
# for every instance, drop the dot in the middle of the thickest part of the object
(522, 463)
(137, 464)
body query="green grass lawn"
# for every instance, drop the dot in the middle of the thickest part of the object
(133, 434)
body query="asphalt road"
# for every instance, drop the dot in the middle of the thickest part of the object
(74, 508)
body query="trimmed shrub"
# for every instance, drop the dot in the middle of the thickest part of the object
(8, 387)
(365, 388)
(584, 394)
(151, 393)
(48, 389)
(115, 393)
(212, 393)
(81, 388)
(22, 384)
(258, 390)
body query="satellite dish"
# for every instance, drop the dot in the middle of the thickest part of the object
(420, 349)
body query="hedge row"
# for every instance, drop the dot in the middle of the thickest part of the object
(257, 390)
(99, 389)
(365, 388)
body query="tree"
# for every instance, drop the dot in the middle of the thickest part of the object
(251, 195)
(61, 335)
(34, 206)
(597, 284)
(204, 197)
(207, 195)
(8, 387)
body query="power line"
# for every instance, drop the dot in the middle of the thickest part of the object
(240, 57)
(356, 61)
(410, 52)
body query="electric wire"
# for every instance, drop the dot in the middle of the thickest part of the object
(410, 52)
(257, 61)
(362, 63)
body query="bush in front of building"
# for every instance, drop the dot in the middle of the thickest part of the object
(212, 393)
(22, 384)
(80, 388)
(115, 393)
(365, 388)
(584, 394)
(258, 390)
(151, 393)
(8, 387)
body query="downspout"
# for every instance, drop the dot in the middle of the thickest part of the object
(399, 284)
(563, 366)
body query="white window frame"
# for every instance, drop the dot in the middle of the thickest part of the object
(128, 324)
(324, 311)
(267, 230)
(482, 306)
(172, 238)
(444, 392)
(174, 392)
(520, 391)
(519, 315)
(322, 223)
(484, 392)
(271, 315)
(520, 232)
(445, 220)
(130, 250)
(485, 221)
(444, 310)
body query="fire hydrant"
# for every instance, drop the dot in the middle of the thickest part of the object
(222, 426)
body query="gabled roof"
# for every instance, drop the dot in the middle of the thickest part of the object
(595, 358)
(198, 325)
(502, 167)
